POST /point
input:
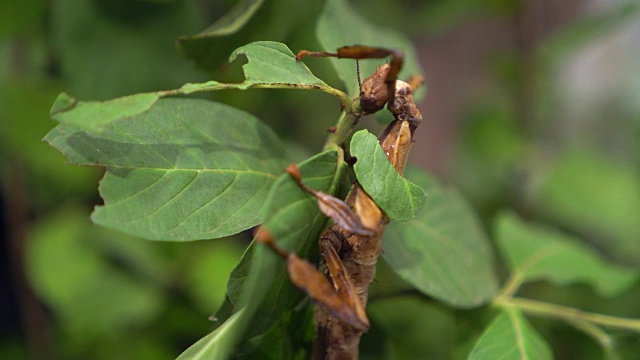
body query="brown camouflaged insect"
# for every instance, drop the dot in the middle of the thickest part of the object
(350, 247)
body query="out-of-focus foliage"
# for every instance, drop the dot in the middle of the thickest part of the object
(571, 162)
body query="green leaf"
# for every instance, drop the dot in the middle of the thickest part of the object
(219, 344)
(340, 25)
(597, 197)
(185, 170)
(535, 253)
(271, 65)
(290, 338)
(294, 220)
(89, 114)
(259, 286)
(202, 47)
(510, 336)
(444, 251)
(400, 199)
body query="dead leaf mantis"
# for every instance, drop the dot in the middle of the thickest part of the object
(350, 247)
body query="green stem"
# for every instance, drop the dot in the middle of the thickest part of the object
(599, 335)
(344, 126)
(510, 288)
(566, 313)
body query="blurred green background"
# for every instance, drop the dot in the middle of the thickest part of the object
(531, 105)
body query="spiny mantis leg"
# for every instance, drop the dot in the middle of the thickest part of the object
(368, 90)
(338, 297)
(332, 207)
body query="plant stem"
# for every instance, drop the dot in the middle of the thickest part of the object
(602, 337)
(510, 288)
(566, 313)
(344, 126)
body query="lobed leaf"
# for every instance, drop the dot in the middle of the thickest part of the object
(400, 199)
(185, 170)
(444, 251)
(510, 336)
(535, 253)
(270, 65)
(273, 63)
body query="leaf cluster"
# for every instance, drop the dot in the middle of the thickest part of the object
(180, 168)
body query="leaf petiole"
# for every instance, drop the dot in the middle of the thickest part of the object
(568, 314)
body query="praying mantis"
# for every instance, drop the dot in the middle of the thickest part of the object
(350, 247)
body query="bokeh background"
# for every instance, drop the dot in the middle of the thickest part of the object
(531, 105)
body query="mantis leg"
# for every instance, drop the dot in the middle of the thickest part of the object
(368, 91)
(338, 297)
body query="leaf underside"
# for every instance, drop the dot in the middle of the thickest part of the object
(185, 170)
(535, 253)
(259, 286)
(292, 217)
(443, 252)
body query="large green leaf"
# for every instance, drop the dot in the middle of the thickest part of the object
(340, 25)
(185, 170)
(400, 199)
(510, 336)
(270, 65)
(259, 286)
(294, 220)
(535, 253)
(597, 197)
(443, 252)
